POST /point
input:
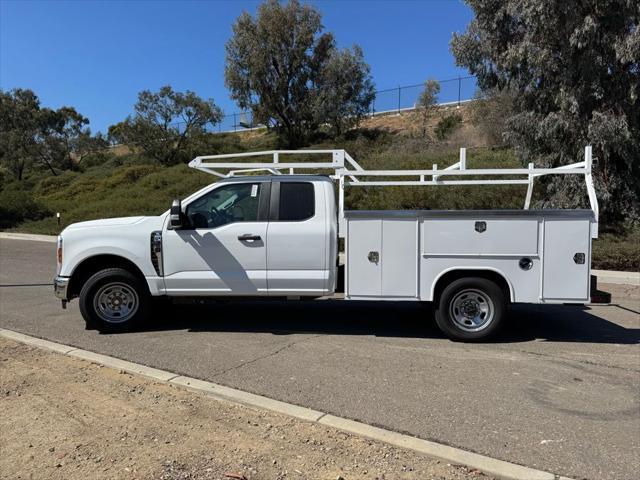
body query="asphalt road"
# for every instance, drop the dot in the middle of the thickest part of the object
(559, 390)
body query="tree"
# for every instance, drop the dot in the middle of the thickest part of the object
(86, 145)
(166, 123)
(18, 124)
(427, 100)
(280, 65)
(574, 68)
(30, 134)
(343, 90)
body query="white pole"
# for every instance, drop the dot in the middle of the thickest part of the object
(588, 179)
(527, 202)
(341, 223)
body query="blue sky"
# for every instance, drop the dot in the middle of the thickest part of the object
(97, 55)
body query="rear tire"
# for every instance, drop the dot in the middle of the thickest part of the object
(471, 309)
(114, 300)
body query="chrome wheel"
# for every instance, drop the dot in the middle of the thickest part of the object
(472, 310)
(116, 302)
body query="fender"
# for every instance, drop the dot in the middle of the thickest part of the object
(477, 268)
(130, 242)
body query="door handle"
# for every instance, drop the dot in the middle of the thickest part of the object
(247, 237)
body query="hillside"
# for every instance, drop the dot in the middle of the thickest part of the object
(121, 182)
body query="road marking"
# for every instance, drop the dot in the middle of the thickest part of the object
(488, 465)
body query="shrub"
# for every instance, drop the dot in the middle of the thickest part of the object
(447, 125)
(17, 206)
(617, 251)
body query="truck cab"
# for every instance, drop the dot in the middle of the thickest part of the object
(254, 236)
(250, 236)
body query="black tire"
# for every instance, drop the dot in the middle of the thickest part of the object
(114, 300)
(471, 309)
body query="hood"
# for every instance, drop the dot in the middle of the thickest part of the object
(106, 222)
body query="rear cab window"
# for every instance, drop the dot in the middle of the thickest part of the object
(297, 201)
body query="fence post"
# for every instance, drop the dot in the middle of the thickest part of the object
(459, 88)
(398, 99)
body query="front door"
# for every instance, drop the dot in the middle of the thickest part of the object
(223, 251)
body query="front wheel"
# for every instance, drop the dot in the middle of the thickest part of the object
(471, 309)
(114, 299)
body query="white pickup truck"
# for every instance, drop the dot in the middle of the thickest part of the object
(277, 235)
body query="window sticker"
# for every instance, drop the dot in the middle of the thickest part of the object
(254, 190)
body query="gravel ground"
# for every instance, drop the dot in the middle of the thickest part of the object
(70, 419)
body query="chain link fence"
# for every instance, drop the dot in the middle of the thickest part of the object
(392, 100)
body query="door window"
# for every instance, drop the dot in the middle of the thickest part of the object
(232, 203)
(297, 201)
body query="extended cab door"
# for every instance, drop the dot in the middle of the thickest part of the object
(297, 239)
(223, 251)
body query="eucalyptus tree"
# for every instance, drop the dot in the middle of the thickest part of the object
(574, 68)
(166, 124)
(32, 136)
(288, 72)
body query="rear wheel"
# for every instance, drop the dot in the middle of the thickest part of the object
(471, 309)
(114, 299)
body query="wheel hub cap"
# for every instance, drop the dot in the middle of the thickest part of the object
(472, 310)
(116, 302)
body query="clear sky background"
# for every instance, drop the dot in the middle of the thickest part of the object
(97, 55)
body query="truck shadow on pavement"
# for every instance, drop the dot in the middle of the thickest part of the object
(561, 323)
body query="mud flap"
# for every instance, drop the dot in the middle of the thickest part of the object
(598, 296)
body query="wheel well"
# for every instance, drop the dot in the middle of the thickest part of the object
(94, 264)
(453, 275)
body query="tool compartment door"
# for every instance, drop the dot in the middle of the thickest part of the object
(400, 258)
(364, 248)
(567, 259)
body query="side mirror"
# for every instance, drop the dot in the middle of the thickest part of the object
(176, 217)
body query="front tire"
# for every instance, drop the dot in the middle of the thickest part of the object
(471, 309)
(113, 300)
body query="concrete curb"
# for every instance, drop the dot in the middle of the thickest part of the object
(28, 236)
(498, 468)
(622, 278)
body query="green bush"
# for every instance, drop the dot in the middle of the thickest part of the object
(619, 251)
(17, 206)
(447, 125)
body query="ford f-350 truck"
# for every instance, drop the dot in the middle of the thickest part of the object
(277, 235)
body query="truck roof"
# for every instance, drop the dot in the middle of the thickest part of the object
(280, 178)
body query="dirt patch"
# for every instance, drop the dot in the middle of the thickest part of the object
(65, 418)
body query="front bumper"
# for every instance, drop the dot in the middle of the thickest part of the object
(60, 287)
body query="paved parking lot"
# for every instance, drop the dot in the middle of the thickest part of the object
(559, 390)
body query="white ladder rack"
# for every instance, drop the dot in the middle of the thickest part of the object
(346, 171)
